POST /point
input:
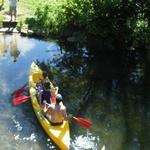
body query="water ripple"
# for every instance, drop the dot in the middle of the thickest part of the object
(86, 142)
(19, 128)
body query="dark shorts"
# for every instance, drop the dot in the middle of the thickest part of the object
(46, 97)
(56, 124)
(12, 9)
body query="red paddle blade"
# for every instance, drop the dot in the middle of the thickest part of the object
(20, 100)
(83, 122)
(19, 91)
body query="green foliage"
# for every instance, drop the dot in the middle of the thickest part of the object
(46, 17)
(55, 16)
(106, 22)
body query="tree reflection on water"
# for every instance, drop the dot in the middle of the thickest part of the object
(109, 87)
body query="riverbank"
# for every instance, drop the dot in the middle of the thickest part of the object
(25, 9)
(40, 20)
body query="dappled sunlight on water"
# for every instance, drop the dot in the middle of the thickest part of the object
(19, 123)
(31, 139)
(86, 142)
(50, 145)
(120, 118)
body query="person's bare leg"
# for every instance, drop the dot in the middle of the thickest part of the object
(10, 13)
(15, 12)
(11, 17)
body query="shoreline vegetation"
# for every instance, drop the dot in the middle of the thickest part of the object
(25, 10)
(110, 21)
(54, 18)
(35, 17)
(110, 32)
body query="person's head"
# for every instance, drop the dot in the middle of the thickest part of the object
(45, 74)
(58, 98)
(47, 85)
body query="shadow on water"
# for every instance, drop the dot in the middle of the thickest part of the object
(111, 88)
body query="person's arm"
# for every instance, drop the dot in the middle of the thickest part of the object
(65, 114)
(51, 84)
(56, 90)
(49, 109)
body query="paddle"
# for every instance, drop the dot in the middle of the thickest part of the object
(83, 122)
(20, 100)
(20, 90)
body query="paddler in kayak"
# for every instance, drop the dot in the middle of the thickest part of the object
(56, 113)
(54, 92)
(46, 79)
(46, 94)
(46, 90)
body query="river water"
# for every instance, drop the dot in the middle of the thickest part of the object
(120, 121)
(19, 128)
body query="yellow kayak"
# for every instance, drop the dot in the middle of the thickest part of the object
(60, 135)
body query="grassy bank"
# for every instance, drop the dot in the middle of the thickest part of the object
(25, 9)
